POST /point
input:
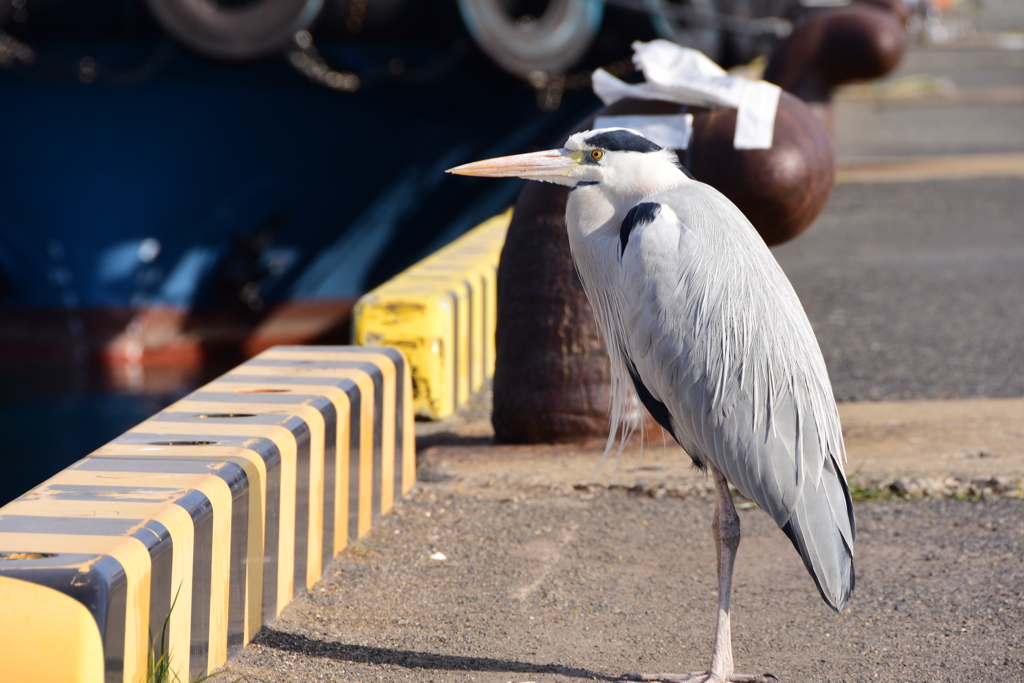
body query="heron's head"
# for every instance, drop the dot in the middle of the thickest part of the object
(619, 159)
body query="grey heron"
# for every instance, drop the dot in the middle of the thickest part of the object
(704, 328)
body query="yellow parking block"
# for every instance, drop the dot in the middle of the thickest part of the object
(442, 313)
(37, 621)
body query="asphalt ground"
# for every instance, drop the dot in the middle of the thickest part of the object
(980, 110)
(916, 290)
(542, 585)
(514, 564)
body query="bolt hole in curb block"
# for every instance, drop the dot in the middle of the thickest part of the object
(225, 518)
(262, 391)
(221, 415)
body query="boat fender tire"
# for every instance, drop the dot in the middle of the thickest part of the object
(555, 41)
(237, 34)
(708, 39)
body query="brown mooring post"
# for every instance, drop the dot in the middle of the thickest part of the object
(551, 374)
(898, 8)
(859, 42)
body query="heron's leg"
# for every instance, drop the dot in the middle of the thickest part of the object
(726, 530)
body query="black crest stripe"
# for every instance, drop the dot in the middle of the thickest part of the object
(639, 216)
(622, 141)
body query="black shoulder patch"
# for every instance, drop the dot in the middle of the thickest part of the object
(622, 141)
(639, 216)
(657, 409)
(686, 171)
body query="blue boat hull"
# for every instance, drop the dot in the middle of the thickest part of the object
(178, 202)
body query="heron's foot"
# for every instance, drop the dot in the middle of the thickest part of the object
(703, 677)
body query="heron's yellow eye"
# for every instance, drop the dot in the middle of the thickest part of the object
(596, 154)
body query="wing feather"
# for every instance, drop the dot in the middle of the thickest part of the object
(717, 334)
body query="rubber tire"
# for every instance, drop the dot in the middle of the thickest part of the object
(562, 36)
(707, 39)
(235, 35)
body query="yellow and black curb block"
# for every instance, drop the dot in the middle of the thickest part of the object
(442, 313)
(224, 505)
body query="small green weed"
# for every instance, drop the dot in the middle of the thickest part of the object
(158, 660)
(859, 493)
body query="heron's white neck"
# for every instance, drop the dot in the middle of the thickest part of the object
(636, 176)
(633, 178)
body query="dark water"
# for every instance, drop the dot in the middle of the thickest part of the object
(53, 416)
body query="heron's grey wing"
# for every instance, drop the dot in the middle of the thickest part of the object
(718, 337)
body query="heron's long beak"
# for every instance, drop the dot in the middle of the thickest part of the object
(546, 165)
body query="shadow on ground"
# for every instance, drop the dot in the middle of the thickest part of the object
(359, 654)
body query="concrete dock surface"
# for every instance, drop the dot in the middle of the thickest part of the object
(514, 564)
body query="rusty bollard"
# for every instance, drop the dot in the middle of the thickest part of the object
(859, 42)
(551, 375)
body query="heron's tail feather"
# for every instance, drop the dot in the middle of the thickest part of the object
(816, 527)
